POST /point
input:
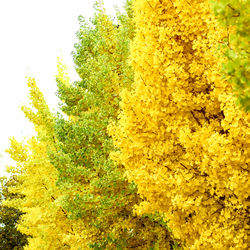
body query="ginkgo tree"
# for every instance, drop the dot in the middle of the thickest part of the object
(181, 137)
(178, 156)
(96, 194)
(43, 219)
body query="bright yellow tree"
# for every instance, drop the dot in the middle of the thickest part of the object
(44, 220)
(180, 136)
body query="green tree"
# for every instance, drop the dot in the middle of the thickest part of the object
(96, 192)
(10, 237)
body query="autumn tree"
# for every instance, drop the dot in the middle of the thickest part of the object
(10, 237)
(38, 197)
(180, 135)
(96, 194)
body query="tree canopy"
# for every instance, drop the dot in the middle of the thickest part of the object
(150, 147)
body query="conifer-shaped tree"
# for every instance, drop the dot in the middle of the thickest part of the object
(96, 194)
(37, 195)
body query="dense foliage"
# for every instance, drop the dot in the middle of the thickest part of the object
(96, 194)
(150, 147)
(43, 219)
(74, 196)
(180, 136)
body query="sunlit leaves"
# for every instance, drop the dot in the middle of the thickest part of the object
(180, 136)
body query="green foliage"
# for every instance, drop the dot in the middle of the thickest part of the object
(235, 16)
(96, 193)
(10, 237)
(100, 57)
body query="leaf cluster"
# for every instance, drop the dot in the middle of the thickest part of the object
(234, 15)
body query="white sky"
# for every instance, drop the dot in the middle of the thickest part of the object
(33, 33)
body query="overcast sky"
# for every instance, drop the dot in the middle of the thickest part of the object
(33, 33)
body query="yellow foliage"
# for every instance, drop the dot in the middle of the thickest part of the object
(44, 219)
(39, 113)
(180, 136)
(62, 74)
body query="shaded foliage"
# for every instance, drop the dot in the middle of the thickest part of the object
(10, 237)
